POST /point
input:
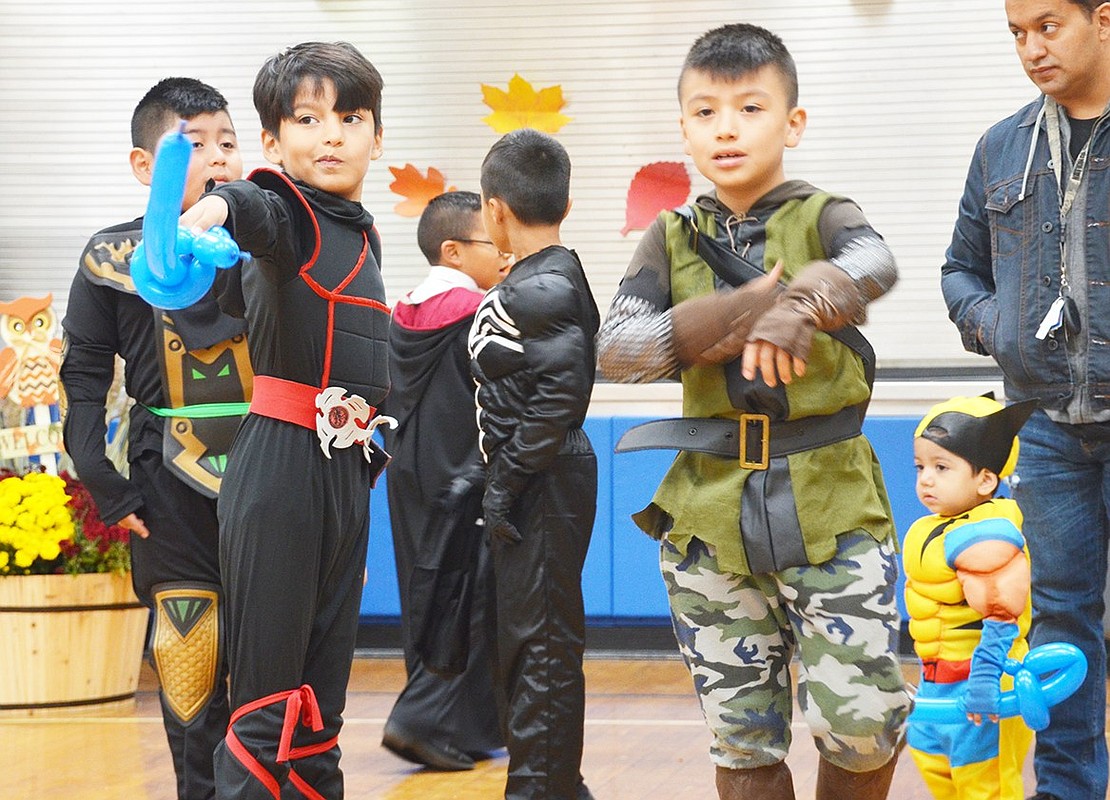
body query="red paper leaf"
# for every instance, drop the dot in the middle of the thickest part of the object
(657, 187)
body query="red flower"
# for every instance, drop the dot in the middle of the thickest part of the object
(87, 514)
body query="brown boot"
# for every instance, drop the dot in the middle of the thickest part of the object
(761, 783)
(836, 783)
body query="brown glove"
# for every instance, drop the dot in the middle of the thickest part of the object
(713, 329)
(822, 297)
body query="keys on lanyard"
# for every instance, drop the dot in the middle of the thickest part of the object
(1053, 319)
(1062, 313)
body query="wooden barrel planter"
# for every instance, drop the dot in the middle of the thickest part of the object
(69, 640)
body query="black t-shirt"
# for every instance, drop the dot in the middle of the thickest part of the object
(1080, 134)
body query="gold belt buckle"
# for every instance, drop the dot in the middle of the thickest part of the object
(765, 440)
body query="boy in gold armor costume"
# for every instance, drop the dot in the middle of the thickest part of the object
(967, 592)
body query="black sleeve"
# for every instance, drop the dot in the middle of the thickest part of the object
(264, 224)
(648, 276)
(855, 247)
(88, 367)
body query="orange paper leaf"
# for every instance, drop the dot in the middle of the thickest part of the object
(417, 189)
(524, 107)
(657, 187)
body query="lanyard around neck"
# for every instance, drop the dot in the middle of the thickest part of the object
(1068, 191)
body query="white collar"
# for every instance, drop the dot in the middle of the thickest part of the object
(439, 280)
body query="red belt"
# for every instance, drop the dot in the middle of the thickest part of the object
(285, 400)
(945, 671)
(288, 401)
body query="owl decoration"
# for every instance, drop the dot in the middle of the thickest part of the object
(31, 353)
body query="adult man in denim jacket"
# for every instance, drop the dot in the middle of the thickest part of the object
(1027, 281)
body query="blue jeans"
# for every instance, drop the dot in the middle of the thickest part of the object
(1064, 492)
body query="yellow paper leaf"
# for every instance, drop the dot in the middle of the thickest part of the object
(524, 107)
(417, 189)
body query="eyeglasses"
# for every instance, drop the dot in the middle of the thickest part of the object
(482, 241)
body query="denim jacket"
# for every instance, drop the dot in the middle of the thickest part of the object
(1002, 269)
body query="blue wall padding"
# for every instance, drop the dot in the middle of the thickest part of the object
(380, 596)
(620, 580)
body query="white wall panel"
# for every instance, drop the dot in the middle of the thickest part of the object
(898, 91)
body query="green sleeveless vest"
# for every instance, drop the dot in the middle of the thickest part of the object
(837, 488)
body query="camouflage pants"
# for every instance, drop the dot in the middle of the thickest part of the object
(738, 633)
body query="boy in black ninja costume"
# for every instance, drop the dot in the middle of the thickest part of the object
(294, 514)
(532, 353)
(176, 363)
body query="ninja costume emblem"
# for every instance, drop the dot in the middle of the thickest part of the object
(344, 420)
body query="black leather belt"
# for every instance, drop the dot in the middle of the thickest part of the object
(762, 439)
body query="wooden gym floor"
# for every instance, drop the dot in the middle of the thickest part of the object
(645, 737)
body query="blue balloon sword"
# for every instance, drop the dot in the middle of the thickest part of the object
(173, 267)
(1049, 674)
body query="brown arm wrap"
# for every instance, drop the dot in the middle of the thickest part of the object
(821, 297)
(713, 329)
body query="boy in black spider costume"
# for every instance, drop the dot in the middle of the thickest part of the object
(532, 353)
(178, 364)
(294, 513)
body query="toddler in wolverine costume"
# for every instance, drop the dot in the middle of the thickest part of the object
(967, 592)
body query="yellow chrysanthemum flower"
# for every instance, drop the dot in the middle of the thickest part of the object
(34, 519)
